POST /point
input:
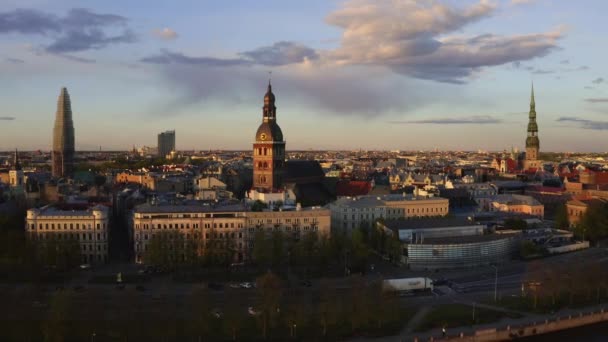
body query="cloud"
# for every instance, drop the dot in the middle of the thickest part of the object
(14, 60)
(165, 34)
(79, 30)
(588, 87)
(476, 120)
(585, 124)
(417, 38)
(521, 2)
(281, 53)
(7, 118)
(597, 100)
(169, 57)
(543, 72)
(278, 54)
(598, 80)
(565, 61)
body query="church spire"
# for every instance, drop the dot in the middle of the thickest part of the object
(269, 110)
(16, 163)
(532, 104)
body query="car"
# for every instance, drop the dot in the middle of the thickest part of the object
(85, 266)
(306, 283)
(440, 282)
(235, 286)
(140, 288)
(253, 312)
(78, 288)
(246, 285)
(217, 313)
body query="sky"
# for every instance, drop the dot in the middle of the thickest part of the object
(354, 74)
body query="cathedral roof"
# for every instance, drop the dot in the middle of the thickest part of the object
(269, 131)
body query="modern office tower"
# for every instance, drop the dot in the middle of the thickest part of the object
(166, 143)
(63, 138)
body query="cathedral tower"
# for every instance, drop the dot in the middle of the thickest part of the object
(532, 142)
(268, 149)
(63, 138)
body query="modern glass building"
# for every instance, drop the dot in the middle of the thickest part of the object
(461, 251)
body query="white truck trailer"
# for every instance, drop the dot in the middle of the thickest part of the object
(408, 284)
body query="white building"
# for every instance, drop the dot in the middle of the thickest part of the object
(349, 213)
(89, 227)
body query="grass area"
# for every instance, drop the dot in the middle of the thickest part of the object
(457, 315)
(550, 304)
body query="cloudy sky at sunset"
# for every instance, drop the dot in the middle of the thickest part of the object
(370, 74)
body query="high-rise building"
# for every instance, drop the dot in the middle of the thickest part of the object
(268, 149)
(532, 142)
(166, 143)
(63, 137)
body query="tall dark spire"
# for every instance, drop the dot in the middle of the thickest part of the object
(532, 139)
(16, 163)
(63, 137)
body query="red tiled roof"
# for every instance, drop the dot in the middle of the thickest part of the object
(353, 188)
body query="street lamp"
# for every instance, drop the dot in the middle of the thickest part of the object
(495, 283)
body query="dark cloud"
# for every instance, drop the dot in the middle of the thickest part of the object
(14, 60)
(543, 72)
(584, 123)
(169, 57)
(29, 21)
(475, 120)
(281, 53)
(597, 100)
(598, 80)
(91, 39)
(79, 30)
(76, 58)
(7, 118)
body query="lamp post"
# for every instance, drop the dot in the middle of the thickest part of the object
(495, 283)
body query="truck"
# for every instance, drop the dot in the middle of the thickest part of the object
(407, 284)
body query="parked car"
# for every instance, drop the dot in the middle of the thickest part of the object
(85, 266)
(217, 313)
(253, 312)
(306, 283)
(235, 286)
(246, 285)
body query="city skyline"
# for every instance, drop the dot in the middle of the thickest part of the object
(449, 75)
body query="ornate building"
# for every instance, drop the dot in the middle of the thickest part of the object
(532, 142)
(63, 137)
(268, 149)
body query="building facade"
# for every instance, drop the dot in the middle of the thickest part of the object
(517, 204)
(349, 213)
(63, 138)
(89, 227)
(233, 225)
(166, 143)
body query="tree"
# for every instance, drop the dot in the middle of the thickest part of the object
(55, 326)
(268, 293)
(561, 217)
(330, 307)
(593, 226)
(516, 223)
(258, 206)
(360, 250)
(262, 248)
(234, 316)
(201, 322)
(278, 247)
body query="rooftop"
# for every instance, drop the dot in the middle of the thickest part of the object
(467, 239)
(429, 223)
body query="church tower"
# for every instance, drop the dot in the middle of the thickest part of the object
(16, 172)
(268, 149)
(532, 142)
